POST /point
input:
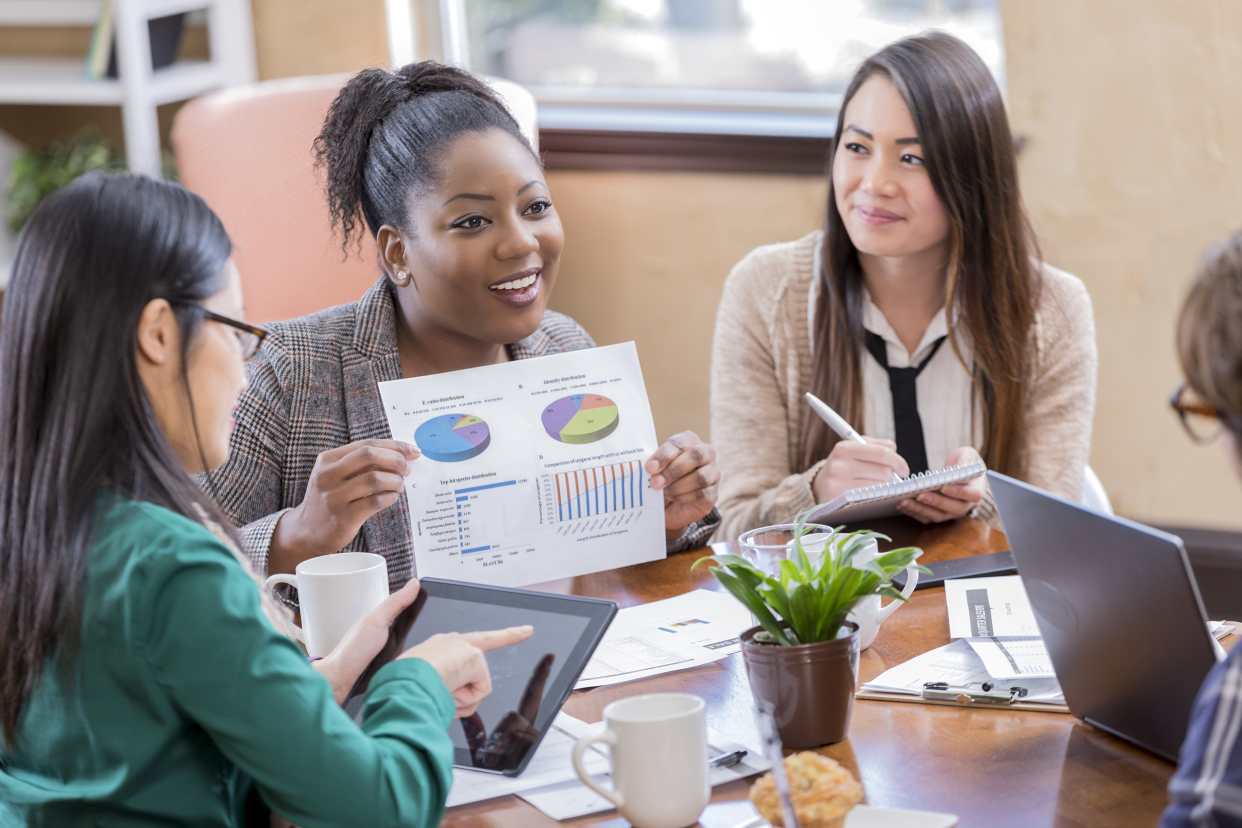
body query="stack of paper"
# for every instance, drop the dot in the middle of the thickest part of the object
(551, 785)
(956, 664)
(998, 641)
(994, 616)
(665, 636)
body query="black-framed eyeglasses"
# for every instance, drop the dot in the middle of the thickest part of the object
(248, 336)
(1200, 418)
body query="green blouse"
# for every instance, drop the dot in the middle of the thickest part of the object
(183, 693)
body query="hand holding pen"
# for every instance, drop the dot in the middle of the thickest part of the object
(854, 461)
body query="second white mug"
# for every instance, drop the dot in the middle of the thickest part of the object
(659, 759)
(334, 591)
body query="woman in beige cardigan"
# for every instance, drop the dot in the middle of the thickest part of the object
(926, 245)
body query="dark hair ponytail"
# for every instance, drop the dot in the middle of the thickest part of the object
(74, 415)
(385, 130)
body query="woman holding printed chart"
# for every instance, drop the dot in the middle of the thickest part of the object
(921, 314)
(431, 163)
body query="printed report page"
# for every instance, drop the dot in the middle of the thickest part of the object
(531, 470)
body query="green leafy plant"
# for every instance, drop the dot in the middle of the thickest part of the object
(806, 603)
(37, 174)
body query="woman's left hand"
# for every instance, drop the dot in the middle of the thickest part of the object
(363, 642)
(684, 468)
(953, 501)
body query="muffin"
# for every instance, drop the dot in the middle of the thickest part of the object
(823, 792)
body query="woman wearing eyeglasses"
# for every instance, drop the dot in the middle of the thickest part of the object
(1207, 788)
(922, 314)
(429, 162)
(144, 678)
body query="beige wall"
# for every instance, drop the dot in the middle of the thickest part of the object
(318, 37)
(1133, 165)
(646, 254)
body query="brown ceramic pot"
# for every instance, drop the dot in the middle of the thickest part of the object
(811, 686)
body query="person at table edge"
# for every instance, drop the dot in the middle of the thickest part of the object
(430, 161)
(922, 313)
(1206, 790)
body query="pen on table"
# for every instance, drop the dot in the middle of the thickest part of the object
(837, 423)
(727, 759)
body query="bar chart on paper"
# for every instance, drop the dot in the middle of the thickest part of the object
(598, 490)
(531, 470)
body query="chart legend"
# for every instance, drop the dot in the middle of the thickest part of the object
(452, 438)
(599, 490)
(581, 418)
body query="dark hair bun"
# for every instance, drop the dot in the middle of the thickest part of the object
(384, 131)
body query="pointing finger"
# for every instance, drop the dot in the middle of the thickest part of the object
(495, 639)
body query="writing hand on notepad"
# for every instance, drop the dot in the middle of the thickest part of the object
(953, 501)
(853, 465)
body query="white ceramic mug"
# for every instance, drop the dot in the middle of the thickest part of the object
(659, 759)
(867, 613)
(334, 591)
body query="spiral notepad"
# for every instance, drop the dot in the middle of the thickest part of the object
(881, 500)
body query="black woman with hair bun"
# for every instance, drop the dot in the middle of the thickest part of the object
(430, 162)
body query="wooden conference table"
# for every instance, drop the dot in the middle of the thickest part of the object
(990, 767)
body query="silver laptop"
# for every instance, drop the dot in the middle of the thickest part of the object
(1119, 611)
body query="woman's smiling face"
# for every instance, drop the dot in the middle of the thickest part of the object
(883, 191)
(484, 241)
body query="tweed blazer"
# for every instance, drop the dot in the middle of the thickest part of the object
(314, 387)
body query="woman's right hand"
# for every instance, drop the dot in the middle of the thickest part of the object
(458, 658)
(347, 486)
(851, 465)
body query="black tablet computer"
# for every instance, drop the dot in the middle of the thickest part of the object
(530, 680)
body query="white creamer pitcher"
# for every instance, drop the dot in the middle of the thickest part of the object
(867, 613)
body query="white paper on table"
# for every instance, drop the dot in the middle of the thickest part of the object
(688, 630)
(550, 764)
(984, 607)
(566, 800)
(497, 496)
(955, 664)
(1013, 658)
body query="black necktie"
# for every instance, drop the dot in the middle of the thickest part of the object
(908, 425)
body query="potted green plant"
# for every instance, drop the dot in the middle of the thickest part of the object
(37, 174)
(803, 656)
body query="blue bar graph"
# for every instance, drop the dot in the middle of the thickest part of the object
(598, 490)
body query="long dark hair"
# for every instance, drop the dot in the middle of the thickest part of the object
(385, 132)
(74, 415)
(993, 275)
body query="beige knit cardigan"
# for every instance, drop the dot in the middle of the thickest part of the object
(761, 367)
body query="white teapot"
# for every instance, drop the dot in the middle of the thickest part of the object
(867, 613)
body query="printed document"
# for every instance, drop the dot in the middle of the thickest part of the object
(956, 664)
(664, 636)
(1013, 658)
(986, 607)
(531, 470)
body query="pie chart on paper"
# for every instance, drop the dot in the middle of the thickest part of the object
(452, 438)
(581, 418)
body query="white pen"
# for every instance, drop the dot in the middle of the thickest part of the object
(837, 423)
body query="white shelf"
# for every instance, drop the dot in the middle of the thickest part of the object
(81, 12)
(61, 81)
(48, 12)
